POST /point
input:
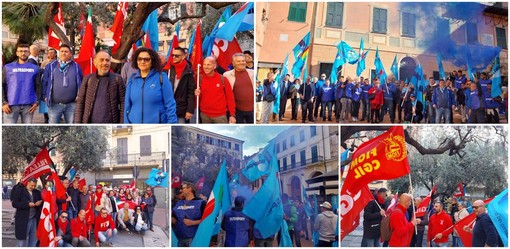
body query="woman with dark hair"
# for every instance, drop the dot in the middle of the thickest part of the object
(140, 220)
(149, 95)
(148, 200)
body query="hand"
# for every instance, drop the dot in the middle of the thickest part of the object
(197, 92)
(302, 97)
(188, 116)
(81, 238)
(469, 112)
(453, 106)
(97, 244)
(68, 198)
(109, 233)
(33, 108)
(434, 106)
(468, 229)
(438, 236)
(383, 213)
(31, 204)
(188, 222)
(416, 221)
(428, 243)
(6, 108)
(57, 238)
(38, 203)
(232, 120)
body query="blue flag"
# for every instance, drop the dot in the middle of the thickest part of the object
(259, 165)
(440, 66)
(170, 48)
(306, 203)
(220, 200)
(279, 80)
(150, 27)
(315, 234)
(191, 43)
(305, 73)
(72, 173)
(157, 178)
(496, 78)
(362, 56)
(471, 76)
(334, 203)
(301, 55)
(175, 240)
(265, 207)
(498, 212)
(285, 240)
(242, 20)
(208, 42)
(394, 67)
(379, 68)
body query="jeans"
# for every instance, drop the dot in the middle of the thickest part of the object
(366, 242)
(61, 243)
(16, 110)
(267, 109)
(56, 110)
(355, 109)
(185, 242)
(323, 243)
(141, 228)
(477, 116)
(431, 113)
(297, 237)
(388, 104)
(443, 112)
(434, 244)
(346, 108)
(325, 105)
(77, 243)
(103, 236)
(366, 109)
(317, 103)
(114, 217)
(457, 242)
(31, 240)
(150, 220)
(72, 213)
(243, 117)
(307, 109)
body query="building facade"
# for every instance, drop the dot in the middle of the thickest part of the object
(401, 29)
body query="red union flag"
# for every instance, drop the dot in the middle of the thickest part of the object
(118, 24)
(351, 205)
(176, 180)
(422, 209)
(40, 165)
(46, 230)
(459, 191)
(53, 40)
(382, 158)
(224, 50)
(200, 183)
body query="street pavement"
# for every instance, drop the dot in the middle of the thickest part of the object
(158, 238)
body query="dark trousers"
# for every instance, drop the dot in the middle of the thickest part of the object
(297, 237)
(323, 243)
(338, 108)
(400, 107)
(477, 116)
(388, 105)
(355, 109)
(493, 117)
(307, 109)
(374, 115)
(293, 103)
(324, 106)
(417, 240)
(243, 117)
(283, 104)
(366, 109)
(317, 105)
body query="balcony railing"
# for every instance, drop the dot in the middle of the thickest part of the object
(122, 130)
(122, 160)
(302, 164)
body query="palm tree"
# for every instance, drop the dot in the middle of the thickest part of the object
(25, 20)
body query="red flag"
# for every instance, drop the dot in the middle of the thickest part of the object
(46, 229)
(82, 183)
(53, 40)
(175, 43)
(132, 205)
(459, 191)
(351, 205)
(88, 48)
(39, 166)
(196, 52)
(81, 25)
(224, 50)
(422, 209)
(89, 212)
(176, 180)
(59, 187)
(382, 158)
(200, 183)
(118, 24)
(393, 204)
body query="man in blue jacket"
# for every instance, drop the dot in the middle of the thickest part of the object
(61, 82)
(389, 91)
(484, 232)
(20, 88)
(442, 100)
(237, 225)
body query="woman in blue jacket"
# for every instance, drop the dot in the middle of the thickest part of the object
(149, 95)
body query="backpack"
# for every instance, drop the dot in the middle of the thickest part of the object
(371, 96)
(386, 230)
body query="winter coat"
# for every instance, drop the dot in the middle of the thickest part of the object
(21, 198)
(185, 92)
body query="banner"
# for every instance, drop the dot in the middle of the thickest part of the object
(46, 229)
(381, 158)
(157, 178)
(351, 205)
(176, 180)
(498, 212)
(459, 191)
(39, 166)
(422, 209)
(260, 164)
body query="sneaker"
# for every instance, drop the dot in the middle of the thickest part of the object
(110, 244)
(152, 230)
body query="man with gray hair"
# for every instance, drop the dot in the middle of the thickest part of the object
(101, 95)
(34, 54)
(242, 81)
(28, 203)
(484, 232)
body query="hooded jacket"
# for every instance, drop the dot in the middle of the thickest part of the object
(326, 224)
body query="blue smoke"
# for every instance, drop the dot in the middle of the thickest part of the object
(438, 38)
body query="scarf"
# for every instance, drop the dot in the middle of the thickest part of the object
(380, 200)
(99, 195)
(179, 68)
(62, 225)
(63, 66)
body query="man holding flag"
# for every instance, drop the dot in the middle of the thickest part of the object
(27, 202)
(484, 232)
(187, 214)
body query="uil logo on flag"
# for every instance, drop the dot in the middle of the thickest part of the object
(395, 148)
(160, 177)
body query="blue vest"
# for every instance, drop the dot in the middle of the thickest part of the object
(484, 83)
(489, 102)
(189, 210)
(20, 80)
(356, 96)
(237, 225)
(365, 88)
(459, 80)
(474, 100)
(348, 90)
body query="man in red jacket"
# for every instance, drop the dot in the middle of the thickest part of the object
(438, 222)
(79, 230)
(104, 228)
(402, 230)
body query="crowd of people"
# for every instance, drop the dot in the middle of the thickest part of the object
(407, 230)
(148, 90)
(86, 214)
(351, 100)
(240, 231)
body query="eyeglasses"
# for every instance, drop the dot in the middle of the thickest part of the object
(476, 207)
(176, 55)
(183, 187)
(144, 59)
(104, 213)
(63, 217)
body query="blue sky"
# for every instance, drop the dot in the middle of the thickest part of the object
(254, 137)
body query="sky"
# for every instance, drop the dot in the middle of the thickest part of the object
(254, 137)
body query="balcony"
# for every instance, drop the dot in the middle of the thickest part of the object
(299, 165)
(155, 159)
(122, 130)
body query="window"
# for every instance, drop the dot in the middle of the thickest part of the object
(315, 154)
(277, 148)
(5, 34)
(443, 27)
(313, 131)
(145, 145)
(471, 33)
(284, 163)
(334, 14)
(379, 23)
(408, 24)
(279, 166)
(435, 74)
(501, 38)
(297, 12)
(122, 149)
(302, 156)
(284, 145)
(237, 147)
(302, 136)
(292, 141)
(293, 161)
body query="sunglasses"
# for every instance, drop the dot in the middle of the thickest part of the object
(144, 59)
(176, 55)
(104, 213)
(476, 207)
(63, 217)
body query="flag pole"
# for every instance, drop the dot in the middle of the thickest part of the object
(198, 88)
(412, 202)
